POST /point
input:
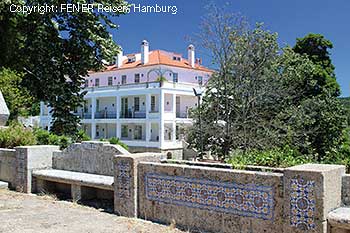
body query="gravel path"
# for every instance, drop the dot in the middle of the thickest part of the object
(24, 213)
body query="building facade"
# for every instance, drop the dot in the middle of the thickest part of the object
(144, 98)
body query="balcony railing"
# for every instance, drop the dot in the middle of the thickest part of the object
(83, 115)
(136, 115)
(105, 115)
(182, 115)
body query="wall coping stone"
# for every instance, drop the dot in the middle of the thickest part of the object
(340, 218)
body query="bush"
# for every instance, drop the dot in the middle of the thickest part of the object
(279, 157)
(116, 141)
(44, 137)
(16, 135)
(81, 136)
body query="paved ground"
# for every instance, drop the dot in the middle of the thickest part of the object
(23, 213)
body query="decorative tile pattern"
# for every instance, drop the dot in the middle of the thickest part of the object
(244, 200)
(302, 204)
(123, 179)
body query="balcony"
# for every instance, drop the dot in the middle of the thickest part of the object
(85, 115)
(133, 115)
(105, 115)
(182, 115)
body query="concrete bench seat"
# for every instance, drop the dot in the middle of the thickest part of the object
(339, 220)
(76, 178)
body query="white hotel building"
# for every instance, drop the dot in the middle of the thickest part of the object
(130, 101)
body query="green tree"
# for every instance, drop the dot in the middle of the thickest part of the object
(317, 47)
(17, 97)
(56, 50)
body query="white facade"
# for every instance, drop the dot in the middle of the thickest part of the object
(147, 113)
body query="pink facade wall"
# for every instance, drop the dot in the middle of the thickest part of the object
(184, 75)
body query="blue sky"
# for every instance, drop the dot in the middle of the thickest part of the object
(290, 19)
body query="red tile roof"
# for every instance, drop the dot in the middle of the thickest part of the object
(158, 57)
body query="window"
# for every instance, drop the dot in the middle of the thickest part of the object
(125, 131)
(110, 81)
(97, 82)
(137, 104)
(200, 80)
(175, 58)
(131, 59)
(138, 132)
(153, 103)
(137, 78)
(175, 77)
(86, 84)
(123, 79)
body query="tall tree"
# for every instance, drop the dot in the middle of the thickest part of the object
(57, 50)
(317, 47)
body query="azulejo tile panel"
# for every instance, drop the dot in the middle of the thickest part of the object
(302, 204)
(123, 179)
(247, 200)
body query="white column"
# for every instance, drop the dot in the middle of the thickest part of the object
(148, 131)
(148, 105)
(119, 130)
(173, 132)
(174, 106)
(93, 130)
(118, 106)
(93, 107)
(161, 118)
(93, 124)
(41, 108)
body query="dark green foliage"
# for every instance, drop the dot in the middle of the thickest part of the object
(17, 97)
(116, 141)
(317, 47)
(263, 97)
(46, 138)
(16, 135)
(81, 136)
(55, 51)
(276, 157)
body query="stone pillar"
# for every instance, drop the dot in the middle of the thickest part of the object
(125, 181)
(76, 192)
(311, 191)
(29, 158)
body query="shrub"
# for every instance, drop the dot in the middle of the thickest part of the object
(278, 157)
(16, 135)
(46, 138)
(116, 141)
(81, 136)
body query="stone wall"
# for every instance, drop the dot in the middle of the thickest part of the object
(8, 166)
(88, 157)
(210, 199)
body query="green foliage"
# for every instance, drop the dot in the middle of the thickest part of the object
(46, 138)
(17, 97)
(264, 97)
(81, 136)
(284, 157)
(161, 79)
(55, 51)
(116, 141)
(16, 135)
(316, 47)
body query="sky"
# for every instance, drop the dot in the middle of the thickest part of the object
(290, 19)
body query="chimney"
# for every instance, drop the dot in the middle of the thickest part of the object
(144, 52)
(119, 58)
(191, 55)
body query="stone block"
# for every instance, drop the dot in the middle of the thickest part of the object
(4, 185)
(29, 158)
(76, 192)
(125, 181)
(310, 192)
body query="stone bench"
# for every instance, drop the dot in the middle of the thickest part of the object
(339, 220)
(76, 180)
